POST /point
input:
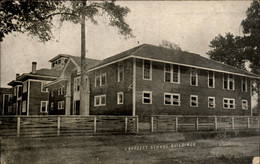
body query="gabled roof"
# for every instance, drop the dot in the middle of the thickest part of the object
(160, 54)
(58, 56)
(89, 62)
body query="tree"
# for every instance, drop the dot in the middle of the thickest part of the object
(251, 39)
(35, 17)
(170, 45)
(228, 49)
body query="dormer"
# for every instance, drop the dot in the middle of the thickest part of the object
(59, 61)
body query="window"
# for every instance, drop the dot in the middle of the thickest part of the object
(24, 107)
(147, 97)
(120, 97)
(19, 91)
(172, 99)
(77, 84)
(211, 102)
(100, 100)
(147, 70)
(10, 108)
(43, 88)
(211, 79)
(171, 73)
(120, 71)
(228, 103)
(245, 104)
(52, 105)
(100, 78)
(15, 90)
(61, 90)
(193, 77)
(244, 84)
(194, 101)
(44, 106)
(60, 104)
(228, 82)
(25, 86)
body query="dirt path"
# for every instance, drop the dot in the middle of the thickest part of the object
(159, 148)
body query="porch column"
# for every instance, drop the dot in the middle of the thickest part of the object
(87, 97)
(68, 99)
(134, 87)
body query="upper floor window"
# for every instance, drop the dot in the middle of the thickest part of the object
(19, 91)
(100, 78)
(171, 73)
(193, 76)
(15, 91)
(61, 90)
(120, 97)
(228, 81)
(24, 107)
(120, 71)
(100, 100)
(147, 97)
(228, 103)
(244, 84)
(245, 104)
(44, 106)
(172, 99)
(211, 79)
(211, 102)
(194, 101)
(43, 88)
(147, 70)
(25, 86)
(77, 84)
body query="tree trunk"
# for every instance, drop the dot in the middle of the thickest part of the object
(83, 109)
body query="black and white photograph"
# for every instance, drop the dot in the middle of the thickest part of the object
(129, 82)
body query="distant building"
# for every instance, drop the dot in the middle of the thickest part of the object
(29, 95)
(150, 80)
(6, 101)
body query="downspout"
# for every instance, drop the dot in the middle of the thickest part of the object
(134, 87)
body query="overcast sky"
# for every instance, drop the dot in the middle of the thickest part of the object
(191, 25)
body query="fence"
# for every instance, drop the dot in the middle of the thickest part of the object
(169, 123)
(66, 125)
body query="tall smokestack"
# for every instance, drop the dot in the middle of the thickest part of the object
(34, 64)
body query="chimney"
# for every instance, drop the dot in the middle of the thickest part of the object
(34, 64)
(17, 75)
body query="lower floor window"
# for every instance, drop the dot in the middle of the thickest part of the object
(245, 104)
(211, 102)
(147, 97)
(52, 106)
(228, 103)
(120, 97)
(61, 105)
(194, 101)
(100, 100)
(172, 99)
(44, 106)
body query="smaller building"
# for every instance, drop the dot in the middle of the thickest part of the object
(6, 101)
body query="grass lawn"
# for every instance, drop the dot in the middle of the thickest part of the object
(144, 148)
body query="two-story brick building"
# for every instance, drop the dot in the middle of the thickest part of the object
(30, 97)
(150, 80)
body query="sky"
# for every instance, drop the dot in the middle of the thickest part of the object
(191, 25)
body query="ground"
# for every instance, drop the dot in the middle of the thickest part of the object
(177, 148)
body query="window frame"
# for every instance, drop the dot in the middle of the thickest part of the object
(77, 81)
(150, 97)
(214, 101)
(118, 98)
(42, 89)
(60, 104)
(244, 81)
(196, 75)
(246, 102)
(25, 86)
(120, 69)
(213, 79)
(99, 75)
(150, 70)
(171, 73)
(228, 81)
(172, 94)
(46, 102)
(18, 90)
(228, 103)
(100, 100)
(197, 100)
(24, 104)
